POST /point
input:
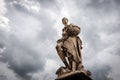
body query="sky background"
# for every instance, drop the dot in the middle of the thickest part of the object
(29, 30)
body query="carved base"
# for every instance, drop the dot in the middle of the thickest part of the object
(77, 75)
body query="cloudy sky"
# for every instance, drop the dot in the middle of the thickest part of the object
(29, 30)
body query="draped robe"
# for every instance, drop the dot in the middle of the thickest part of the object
(72, 43)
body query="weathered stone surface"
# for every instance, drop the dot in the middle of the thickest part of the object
(74, 76)
(69, 48)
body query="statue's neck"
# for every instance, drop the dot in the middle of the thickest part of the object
(66, 25)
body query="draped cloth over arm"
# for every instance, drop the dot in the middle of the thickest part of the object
(73, 43)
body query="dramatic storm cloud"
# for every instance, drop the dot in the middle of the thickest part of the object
(29, 30)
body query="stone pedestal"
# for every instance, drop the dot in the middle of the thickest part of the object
(74, 76)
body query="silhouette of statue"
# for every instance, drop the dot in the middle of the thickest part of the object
(69, 50)
(69, 47)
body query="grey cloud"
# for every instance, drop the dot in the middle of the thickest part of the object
(6, 73)
(29, 55)
(47, 3)
(98, 3)
(106, 5)
(3, 38)
(117, 1)
(113, 28)
(1, 45)
(22, 58)
(99, 7)
(20, 8)
(101, 73)
(47, 32)
(22, 55)
(117, 51)
(44, 18)
(52, 5)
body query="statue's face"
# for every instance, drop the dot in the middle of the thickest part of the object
(64, 21)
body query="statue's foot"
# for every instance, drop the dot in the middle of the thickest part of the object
(67, 70)
(80, 67)
(88, 73)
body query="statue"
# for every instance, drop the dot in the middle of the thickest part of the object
(69, 49)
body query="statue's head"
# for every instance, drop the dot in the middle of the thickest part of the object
(64, 21)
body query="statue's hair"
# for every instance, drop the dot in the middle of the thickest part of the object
(64, 18)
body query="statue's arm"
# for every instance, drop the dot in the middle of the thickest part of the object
(79, 42)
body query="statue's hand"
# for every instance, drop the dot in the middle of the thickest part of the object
(59, 40)
(81, 47)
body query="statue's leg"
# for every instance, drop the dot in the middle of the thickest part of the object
(73, 66)
(70, 63)
(80, 66)
(61, 54)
